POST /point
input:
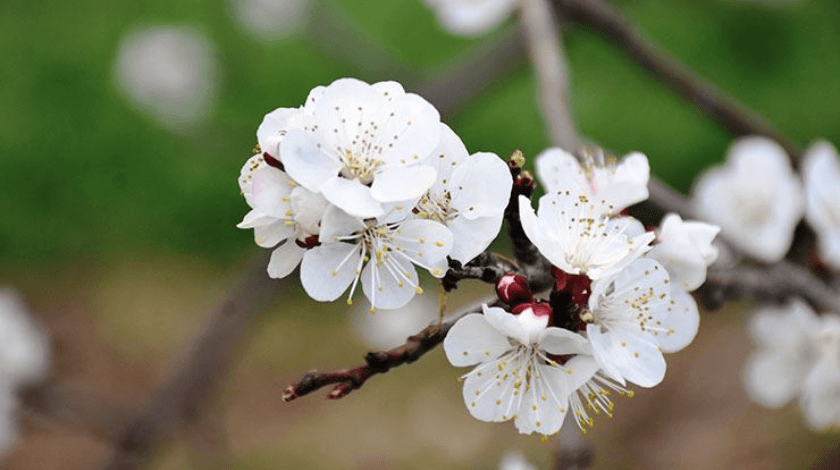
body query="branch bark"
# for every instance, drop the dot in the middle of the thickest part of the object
(197, 373)
(726, 111)
(544, 43)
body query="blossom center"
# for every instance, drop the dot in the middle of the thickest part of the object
(358, 166)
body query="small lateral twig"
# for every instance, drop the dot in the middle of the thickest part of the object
(488, 267)
(376, 362)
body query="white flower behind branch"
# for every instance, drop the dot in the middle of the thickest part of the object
(821, 174)
(754, 197)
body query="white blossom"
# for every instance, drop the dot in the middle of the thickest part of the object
(362, 146)
(576, 234)
(169, 72)
(821, 174)
(620, 184)
(469, 195)
(24, 347)
(786, 340)
(24, 359)
(515, 377)
(283, 213)
(269, 20)
(628, 313)
(820, 399)
(685, 249)
(381, 252)
(471, 17)
(513, 460)
(754, 197)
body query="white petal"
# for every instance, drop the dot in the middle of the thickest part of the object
(352, 197)
(327, 270)
(246, 174)
(255, 218)
(272, 129)
(409, 132)
(480, 186)
(681, 323)
(559, 341)
(472, 340)
(821, 390)
(390, 282)
(402, 183)
(309, 209)
(627, 355)
(471, 237)
(821, 172)
(545, 402)
(448, 155)
(268, 236)
(284, 259)
(559, 170)
(271, 191)
(490, 392)
(306, 158)
(507, 324)
(624, 185)
(768, 382)
(336, 225)
(686, 250)
(423, 241)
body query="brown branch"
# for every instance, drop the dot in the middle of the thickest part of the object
(726, 111)
(347, 380)
(196, 375)
(778, 281)
(82, 410)
(488, 267)
(544, 43)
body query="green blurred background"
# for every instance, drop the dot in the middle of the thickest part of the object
(120, 232)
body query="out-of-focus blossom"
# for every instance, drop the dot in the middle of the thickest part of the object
(24, 359)
(471, 17)
(620, 184)
(755, 198)
(388, 329)
(270, 20)
(513, 460)
(170, 73)
(821, 174)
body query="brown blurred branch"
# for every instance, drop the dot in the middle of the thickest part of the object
(544, 43)
(82, 410)
(723, 109)
(195, 376)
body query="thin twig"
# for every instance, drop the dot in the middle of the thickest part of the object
(542, 37)
(722, 109)
(347, 380)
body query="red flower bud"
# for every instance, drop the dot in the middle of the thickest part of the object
(513, 289)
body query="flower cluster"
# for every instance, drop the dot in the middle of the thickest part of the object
(620, 299)
(798, 356)
(757, 198)
(363, 183)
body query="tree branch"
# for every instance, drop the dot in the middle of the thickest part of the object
(347, 380)
(543, 40)
(195, 376)
(726, 111)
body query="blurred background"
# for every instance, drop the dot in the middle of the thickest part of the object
(123, 127)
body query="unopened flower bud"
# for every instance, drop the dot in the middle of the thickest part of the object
(538, 309)
(513, 289)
